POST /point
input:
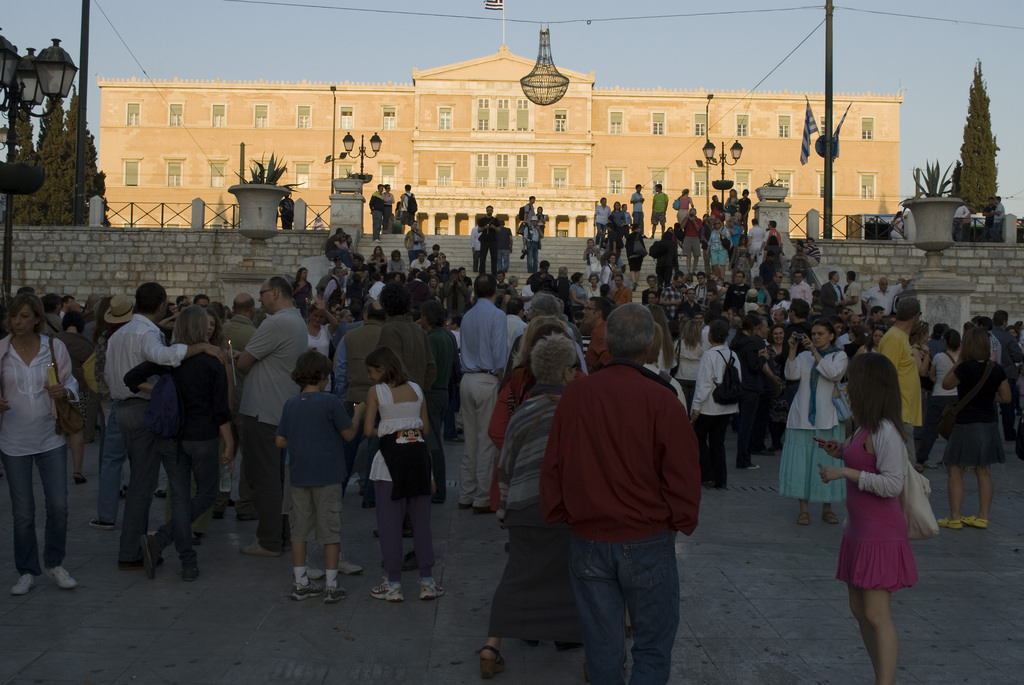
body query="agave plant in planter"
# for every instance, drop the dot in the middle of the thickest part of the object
(258, 199)
(772, 190)
(932, 208)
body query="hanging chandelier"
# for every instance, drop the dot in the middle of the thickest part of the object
(545, 85)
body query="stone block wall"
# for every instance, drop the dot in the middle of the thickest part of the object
(80, 260)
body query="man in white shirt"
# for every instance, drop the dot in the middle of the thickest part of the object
(602, 215)
(961, 221)
(138, 341)
(882, 295)
(474, 245)
(637, 200)
(801, 289)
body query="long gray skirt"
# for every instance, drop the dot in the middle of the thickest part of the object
(971, 445)
(534, 600)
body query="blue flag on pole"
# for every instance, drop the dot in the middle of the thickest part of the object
(810, 128)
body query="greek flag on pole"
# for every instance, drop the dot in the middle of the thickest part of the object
(494, 4)
(835, 137)
(810, 128)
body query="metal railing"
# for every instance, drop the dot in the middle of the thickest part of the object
(179, 215)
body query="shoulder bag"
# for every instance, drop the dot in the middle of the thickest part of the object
(917, 509)
(69, 419)
(948, 418)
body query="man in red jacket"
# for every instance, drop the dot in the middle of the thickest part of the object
(625, 485)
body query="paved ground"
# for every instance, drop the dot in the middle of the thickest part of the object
(759, 604)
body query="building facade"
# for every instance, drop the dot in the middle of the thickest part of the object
(464, 136)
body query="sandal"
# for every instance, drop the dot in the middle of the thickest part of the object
(804, 519)
(491, 667)
(952, 524)
(974, 522)
(829, 517)
(79, 478)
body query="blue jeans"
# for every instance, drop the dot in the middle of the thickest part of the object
(111, 463)
(378, 223)
(351, 448)
(53, 472)
(145, 472)
(638, 218)
(183, 460)
(642, 575)
(503, 260)
(532, 249)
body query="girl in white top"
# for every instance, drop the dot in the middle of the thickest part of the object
(942, 364)
(401, 472)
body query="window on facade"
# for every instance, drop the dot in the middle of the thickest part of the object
(560, 177)
(483, 172)
(561, 121)
(657, 176)
(176, 115)
(784, 178)
(444, 119)
(131, 173)
(658, 124)
(821, 185)
(503, 114)
(302, 174)
(173, 174)
(615, 181)
(522, 171)
(501, 170)
(218, 116)
(742, 181)
(867, 128)
(303, 116)
(615, 123)
(444, 175)
(261, 116)
(700, 125)
(390, 121)
(216, 174)
(387, 174)
(483, 114)
(700, 182)
(867, 187)
(348, 117)
(134, 114)
(742, 125)
(522, 114)
(784, 126)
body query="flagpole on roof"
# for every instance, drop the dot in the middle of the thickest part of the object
(503, 24)
(827, 213)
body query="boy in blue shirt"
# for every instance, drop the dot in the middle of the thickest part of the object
(310, 425)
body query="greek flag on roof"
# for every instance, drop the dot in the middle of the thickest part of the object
(494, 4)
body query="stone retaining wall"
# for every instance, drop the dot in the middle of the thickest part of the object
(81, 260)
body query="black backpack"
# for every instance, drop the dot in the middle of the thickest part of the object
(729, 390)
(411, 205)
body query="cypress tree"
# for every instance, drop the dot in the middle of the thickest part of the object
(978, 152)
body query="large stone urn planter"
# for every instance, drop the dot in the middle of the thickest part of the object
(772, 193)
(257, 219)
(943, 295)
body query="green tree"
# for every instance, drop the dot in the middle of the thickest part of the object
(978, 152)
(54, 150)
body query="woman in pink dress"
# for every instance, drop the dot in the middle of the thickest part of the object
(875, 558)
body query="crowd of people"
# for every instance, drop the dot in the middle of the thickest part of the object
(363, 379)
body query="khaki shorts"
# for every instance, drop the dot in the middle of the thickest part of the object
(691, 247)
(316, 514)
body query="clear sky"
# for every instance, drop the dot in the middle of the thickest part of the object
(638, 44)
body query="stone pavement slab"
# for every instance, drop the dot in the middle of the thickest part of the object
(759, 603)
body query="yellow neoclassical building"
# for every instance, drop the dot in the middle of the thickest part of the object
(464, 136)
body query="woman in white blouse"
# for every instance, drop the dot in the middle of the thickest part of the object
(711, 419)
(939, 397)
(812, 418)
(30, 385)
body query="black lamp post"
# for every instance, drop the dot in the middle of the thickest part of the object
(349, 142)
(722, 160)
(26, 82)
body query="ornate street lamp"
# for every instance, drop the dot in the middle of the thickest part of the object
(722, 159)
(349, 142)
(26, 82)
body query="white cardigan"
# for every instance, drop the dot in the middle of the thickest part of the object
(831, 369)
(709, 374)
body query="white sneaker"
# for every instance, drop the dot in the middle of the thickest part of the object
(348, 568)
(24, 584)
(429, 590)
(314, 573)
(388, 592)
(62, 578)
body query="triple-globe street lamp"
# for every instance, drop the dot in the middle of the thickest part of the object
(26, 81)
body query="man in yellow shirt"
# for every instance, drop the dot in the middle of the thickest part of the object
(896, 346)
